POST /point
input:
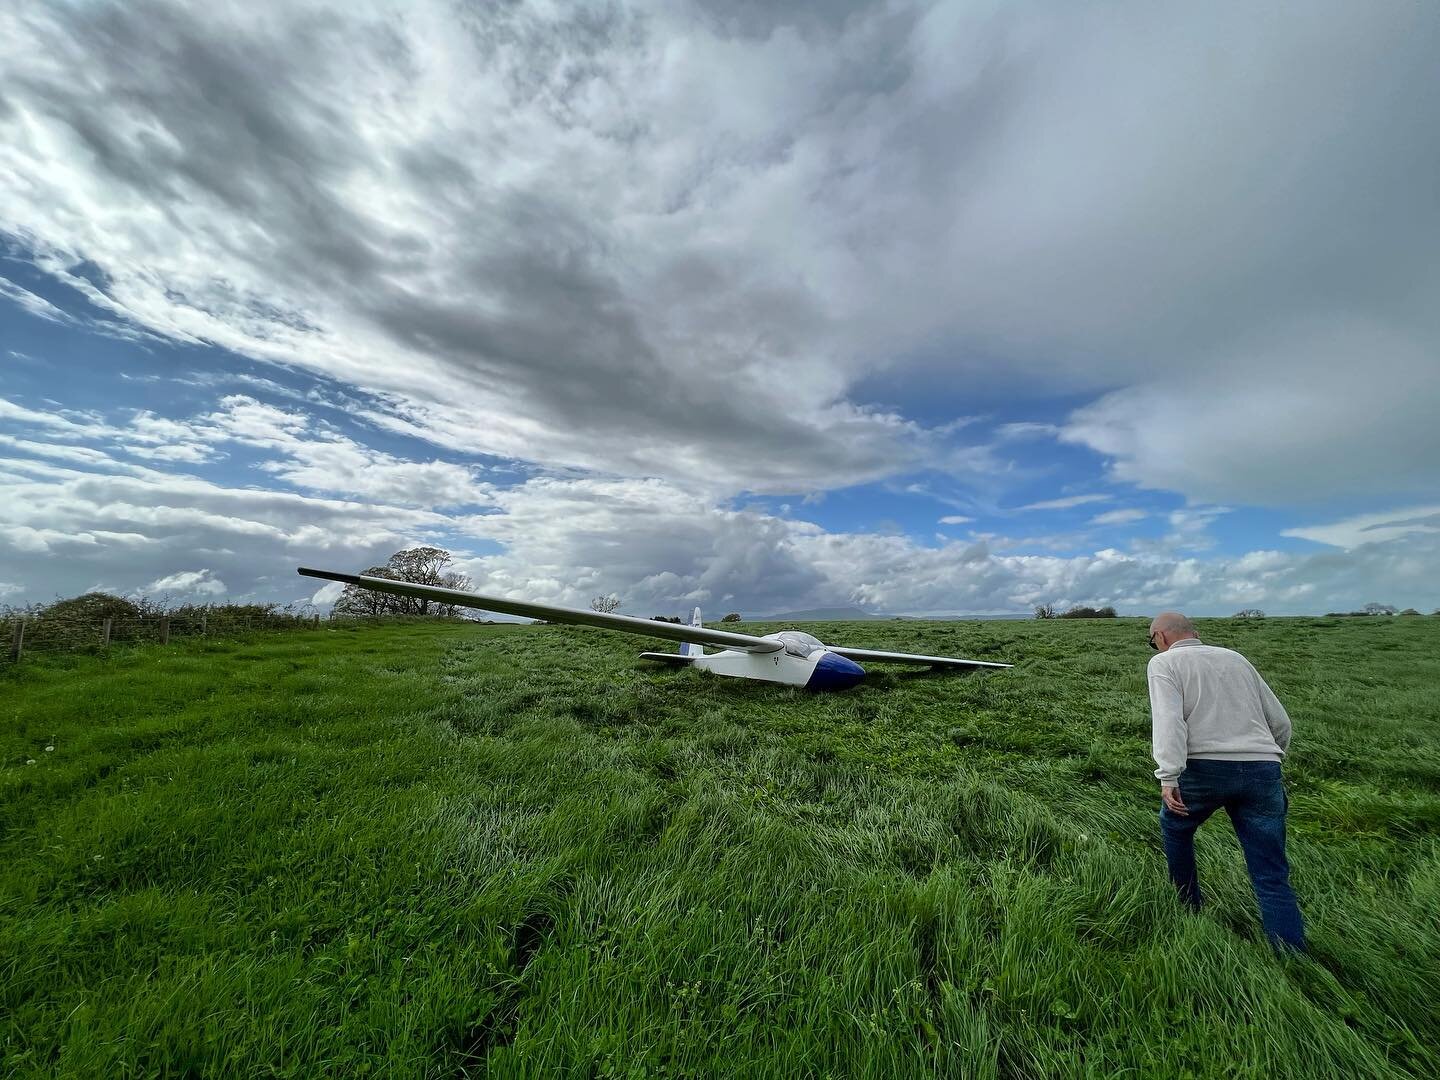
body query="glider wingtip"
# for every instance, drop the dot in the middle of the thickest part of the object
(329, 575)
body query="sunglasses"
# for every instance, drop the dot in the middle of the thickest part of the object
(1151, 640)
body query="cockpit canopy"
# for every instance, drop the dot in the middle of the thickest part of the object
(799, 643)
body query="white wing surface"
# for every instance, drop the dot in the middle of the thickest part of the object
(911, 658)
(629, 624)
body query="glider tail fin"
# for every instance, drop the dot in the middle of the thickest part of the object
(690, 648)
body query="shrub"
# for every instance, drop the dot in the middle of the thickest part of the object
(734, 616)
(1079, 612)
(93, 607)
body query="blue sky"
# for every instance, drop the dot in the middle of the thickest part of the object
(1071, 307)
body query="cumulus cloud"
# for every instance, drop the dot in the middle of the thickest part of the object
(189, 583)
(654, 544)
(661, 550)
(62, 528)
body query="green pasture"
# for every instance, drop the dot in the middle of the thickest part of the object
(450, 850)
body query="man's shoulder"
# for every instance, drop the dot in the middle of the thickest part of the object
(1199, 653)
(1160, 664)
(1212, 657)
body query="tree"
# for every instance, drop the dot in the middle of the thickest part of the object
(1250, 613)
(1044, 611)
(1409, 611)
(734, 616)
(606, 605)
(1379, 609)
(1079, 612)
(420, 566)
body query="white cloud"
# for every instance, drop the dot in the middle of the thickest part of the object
(1026, 430)
(1372, 528)
(10, 588)
(658, 547)
(327, 594)
(1068, 502)
(1119, 517)
(66, 424)
(63, 528)
(80, 454)
(955, 519)
(187, 582)
(1340, 408)
(35, 305)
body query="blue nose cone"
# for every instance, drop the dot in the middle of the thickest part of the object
(834, 672)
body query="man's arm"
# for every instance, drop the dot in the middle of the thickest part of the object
(1169, 736)
(1275, 715)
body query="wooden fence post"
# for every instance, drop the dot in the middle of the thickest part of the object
(105, 633)
(165, 630)
(17, 640)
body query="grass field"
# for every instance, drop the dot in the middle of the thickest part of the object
(467, 850)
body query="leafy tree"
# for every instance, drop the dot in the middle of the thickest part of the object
(1379, 609)
(1250, 613)
(606, 605)
(420, 566)
(366, 603)
(734, 616)
(1409, 611)
(1079, 612)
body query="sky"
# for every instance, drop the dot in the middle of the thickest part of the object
(925, 308)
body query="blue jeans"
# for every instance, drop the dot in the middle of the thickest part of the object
(1252, 794)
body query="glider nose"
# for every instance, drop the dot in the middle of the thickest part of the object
(834, 672)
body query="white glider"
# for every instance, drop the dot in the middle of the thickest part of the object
(791, 657)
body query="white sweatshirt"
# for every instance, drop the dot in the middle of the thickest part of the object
(1209, 702)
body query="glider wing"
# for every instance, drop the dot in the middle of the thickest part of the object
(629, 624)
(911, 658)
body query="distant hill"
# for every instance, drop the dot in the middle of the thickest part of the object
(823, 614)
(957, 618)
(854, 614)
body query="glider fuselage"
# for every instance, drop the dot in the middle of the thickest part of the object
(821, 670)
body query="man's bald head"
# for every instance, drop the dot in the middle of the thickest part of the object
(1173, 625)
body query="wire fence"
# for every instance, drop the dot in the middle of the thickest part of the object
(23, 634)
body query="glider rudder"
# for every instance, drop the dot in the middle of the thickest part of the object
(689, 648)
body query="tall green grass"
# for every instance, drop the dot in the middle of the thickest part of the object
(460, 850)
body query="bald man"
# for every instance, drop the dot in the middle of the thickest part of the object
(1219, 734)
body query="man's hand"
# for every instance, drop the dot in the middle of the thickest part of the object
(1170, 796)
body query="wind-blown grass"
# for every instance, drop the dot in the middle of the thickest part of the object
(448, 850)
